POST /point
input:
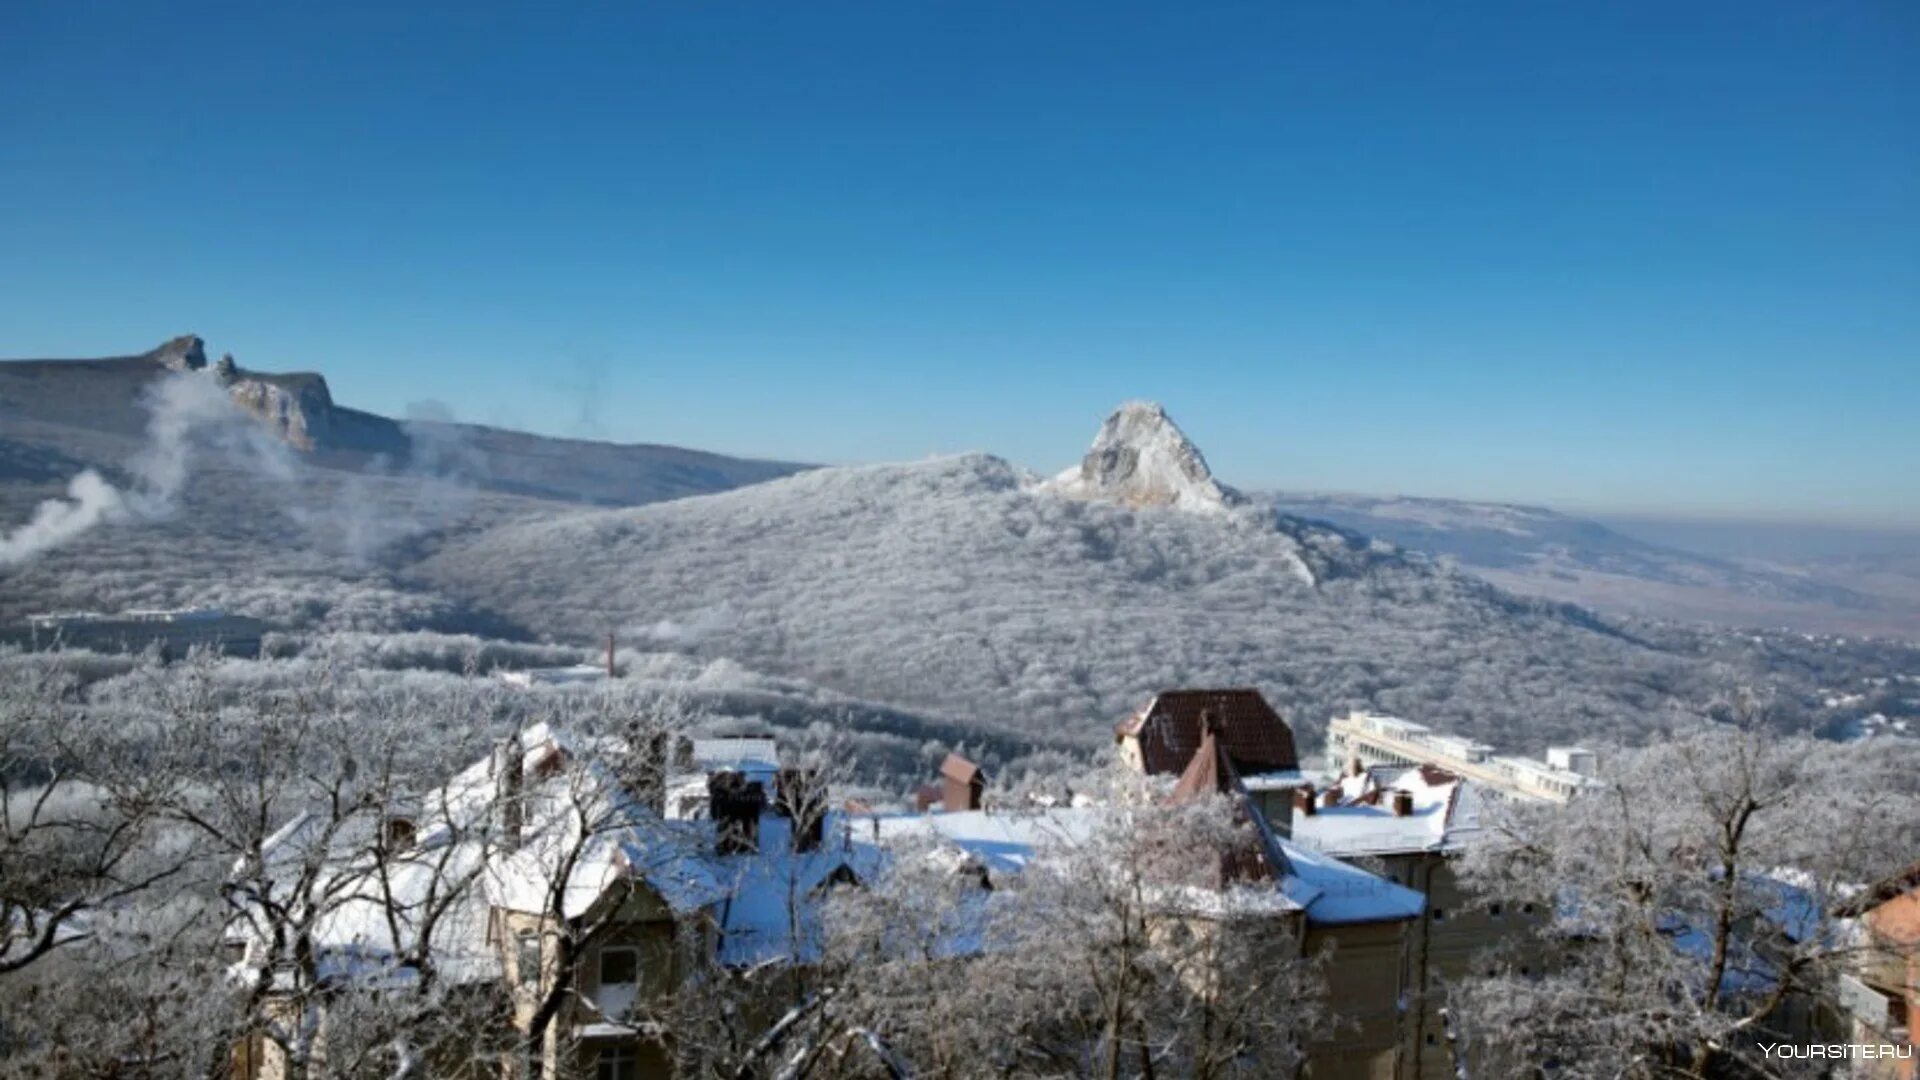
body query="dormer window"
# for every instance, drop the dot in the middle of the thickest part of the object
(400, 833)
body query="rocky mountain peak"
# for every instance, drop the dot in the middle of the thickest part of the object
(184, 353)
(1142, 458)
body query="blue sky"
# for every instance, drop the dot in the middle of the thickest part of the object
(1638, 257)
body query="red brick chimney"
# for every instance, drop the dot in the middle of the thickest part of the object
(611, 673)
(1402, 803)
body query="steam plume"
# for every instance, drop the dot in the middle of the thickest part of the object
(180, 406)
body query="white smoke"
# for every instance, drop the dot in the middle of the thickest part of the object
(440, 477)
(184, 408)
(90, 501)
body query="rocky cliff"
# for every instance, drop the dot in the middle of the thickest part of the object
(1141, 458)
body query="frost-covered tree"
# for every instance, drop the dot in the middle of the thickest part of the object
(1698, 899)
(1119, 951)
(68, 849)
(296, 809)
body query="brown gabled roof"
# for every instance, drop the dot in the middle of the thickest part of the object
(1211, 773)
(1169, 729)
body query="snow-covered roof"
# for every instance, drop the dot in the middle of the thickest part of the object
(571, 675)
(757, 756)
(1342, 894)
(772, 894)
(1273, 780)
(460, 859)
(1329, 891)
(1445, 813)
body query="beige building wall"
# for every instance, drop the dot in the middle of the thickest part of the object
(1459, 936)
(643, 924)
(1366, 969)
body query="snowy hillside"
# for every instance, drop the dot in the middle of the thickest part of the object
(956, 587)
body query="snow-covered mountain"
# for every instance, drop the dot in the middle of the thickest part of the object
(1142, 458)
(962, 587)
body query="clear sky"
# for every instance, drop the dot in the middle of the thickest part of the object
(1643, 257)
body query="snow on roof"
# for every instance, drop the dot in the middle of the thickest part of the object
(1341, 894)
(1329, 891)
(1273, 780)
(458, 859)
(1003, 841)
(771, 894)
(754, 755)
(571, 675)
(1446, 813)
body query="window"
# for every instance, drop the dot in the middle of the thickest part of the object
(616, 1063)
(527, 958)
(619, 988)
(619, 967)
(1439, 914)
(1431, 1041)
(1526, 909)
(1493, 910)
(400, 833)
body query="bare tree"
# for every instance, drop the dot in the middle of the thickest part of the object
(69, 851)
(301, 807)
(1698, 896)
(1120, 950)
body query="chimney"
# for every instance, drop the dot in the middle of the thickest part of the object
(509, 768)
(735, 803)
(1402, 803)
(1303, 800)
(963, 786)
(611, 673)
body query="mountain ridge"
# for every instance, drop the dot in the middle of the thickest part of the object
(105, 395)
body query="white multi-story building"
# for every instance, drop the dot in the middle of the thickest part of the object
(1373, 739)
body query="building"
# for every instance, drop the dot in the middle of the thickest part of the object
(544, 875)
(174, 630)
(569, 885)
(1372, 739)
(1234, 741)
(1407, 823)
(1326, 905)
(1160, 739)
(1883, 995)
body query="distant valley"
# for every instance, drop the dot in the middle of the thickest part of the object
(1541, 552)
